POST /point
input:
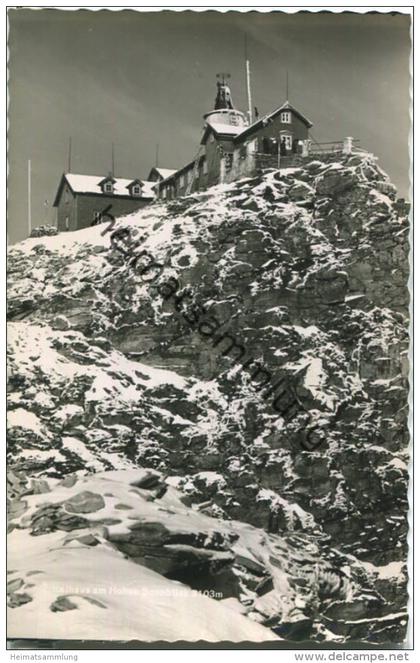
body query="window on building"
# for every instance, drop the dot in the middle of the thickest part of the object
(67, 225)
(108, 188)
(229, 161)
(286, 142)
(286, 117)
(205, 167)
(181, 181)
(96, 217)
(189, 176)
(136, 190)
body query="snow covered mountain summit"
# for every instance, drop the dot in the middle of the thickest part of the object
(247, 346)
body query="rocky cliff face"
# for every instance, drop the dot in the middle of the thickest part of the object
(249, 346)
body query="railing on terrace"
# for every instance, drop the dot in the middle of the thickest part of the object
(327, 149)
(330, 147)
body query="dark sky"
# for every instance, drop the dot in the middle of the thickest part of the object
(135, 79)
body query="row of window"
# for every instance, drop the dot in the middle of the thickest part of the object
(96, 218)
(134, 191)
(269, 145)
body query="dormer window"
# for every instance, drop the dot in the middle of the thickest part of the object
(286, 117)
(107, 184)
(135, 188)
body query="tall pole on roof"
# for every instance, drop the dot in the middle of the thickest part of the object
(69, 157)
(112, 160)
(248, 83)
(287, 86)
(29, 199)
(157, 155)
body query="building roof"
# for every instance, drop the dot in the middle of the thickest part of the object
(188, 166)
(270, 116)
(224, 128)
(85, 184)
(220, 129)
(108, 178)
(133, 182)
(165, 172)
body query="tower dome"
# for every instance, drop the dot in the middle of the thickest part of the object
(224, 112)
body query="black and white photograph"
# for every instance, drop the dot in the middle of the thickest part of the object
(209, 223)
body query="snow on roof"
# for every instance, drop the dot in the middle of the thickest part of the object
(90, 184)
(262, 120)
(223, 128)
(165, 172)
(148, 190)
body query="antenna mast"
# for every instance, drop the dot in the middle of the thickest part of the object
(287, 86)
(157, 155)
(112, 160)
(69, 157)
(248, 83)
(29, 199)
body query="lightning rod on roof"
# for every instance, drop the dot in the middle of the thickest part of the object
(112, 160)
(157, 155)
(287, 86)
